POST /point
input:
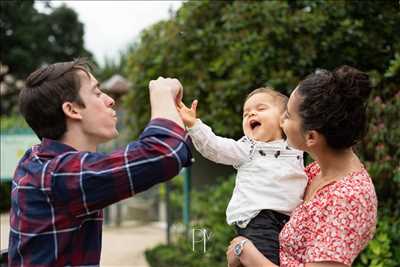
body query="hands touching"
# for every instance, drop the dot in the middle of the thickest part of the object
(188, 115)
(158, 90)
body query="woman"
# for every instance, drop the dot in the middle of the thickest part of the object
(325, 116)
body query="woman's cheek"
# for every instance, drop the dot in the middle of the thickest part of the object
(289, 134)
(283, 125)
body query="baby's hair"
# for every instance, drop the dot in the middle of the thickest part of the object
(279, 99)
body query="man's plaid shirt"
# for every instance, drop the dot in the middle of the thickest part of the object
(58, 193)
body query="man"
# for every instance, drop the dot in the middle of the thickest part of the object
(61, 185)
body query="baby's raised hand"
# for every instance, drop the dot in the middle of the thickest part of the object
(188, 115)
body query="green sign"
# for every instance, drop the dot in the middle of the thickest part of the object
(13, 147)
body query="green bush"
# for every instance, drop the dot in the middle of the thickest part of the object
(13, 123)
(175, 197)
(204, 216)
(221, 50)
(383, 250)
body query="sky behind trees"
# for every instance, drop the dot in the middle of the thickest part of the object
(111, 25)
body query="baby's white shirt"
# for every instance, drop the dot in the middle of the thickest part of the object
(270, 175)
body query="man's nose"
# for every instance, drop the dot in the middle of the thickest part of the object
(110, 101)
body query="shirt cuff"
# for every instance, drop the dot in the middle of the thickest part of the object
(164, 126)
(196, 126)
(161, 126)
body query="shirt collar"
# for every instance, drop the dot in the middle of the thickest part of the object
(52, 148)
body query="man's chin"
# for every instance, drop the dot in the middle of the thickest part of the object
(115, 134)
(109, 137)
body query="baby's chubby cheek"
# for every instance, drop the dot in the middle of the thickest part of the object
(246, 129)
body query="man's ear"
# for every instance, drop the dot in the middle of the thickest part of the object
(71, 110)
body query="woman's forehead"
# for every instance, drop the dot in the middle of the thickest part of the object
(294, 101)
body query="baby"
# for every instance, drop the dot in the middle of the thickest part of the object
(270, 178)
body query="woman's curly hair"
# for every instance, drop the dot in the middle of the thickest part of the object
(334, 104)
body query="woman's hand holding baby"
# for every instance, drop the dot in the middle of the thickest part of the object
(188, 115)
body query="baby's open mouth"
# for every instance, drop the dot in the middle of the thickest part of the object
(254, 124)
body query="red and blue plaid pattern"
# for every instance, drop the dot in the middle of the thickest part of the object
(58, 193)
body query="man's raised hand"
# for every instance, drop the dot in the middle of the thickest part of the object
(171, 84)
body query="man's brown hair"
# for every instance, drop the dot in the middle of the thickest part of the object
(46, 90)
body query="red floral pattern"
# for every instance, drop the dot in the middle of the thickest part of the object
(333, 226)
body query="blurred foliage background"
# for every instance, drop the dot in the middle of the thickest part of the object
(30, 39)
(221, 50)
